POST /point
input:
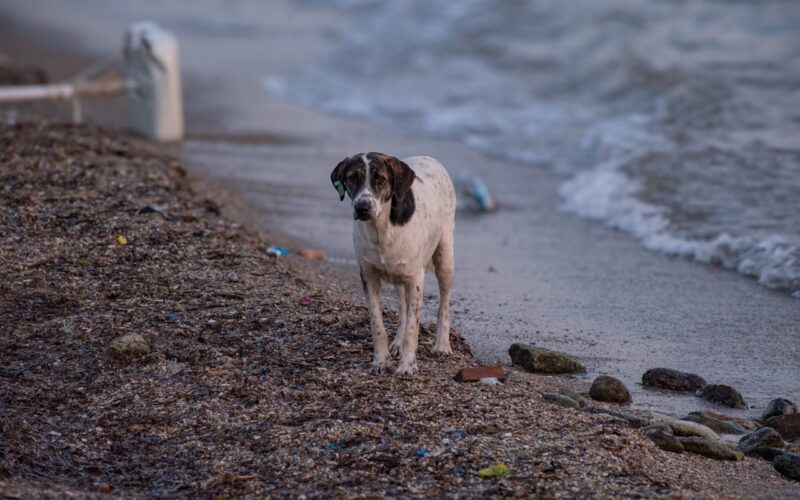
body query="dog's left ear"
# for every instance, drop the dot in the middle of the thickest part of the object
(402, 176)
(337, 177)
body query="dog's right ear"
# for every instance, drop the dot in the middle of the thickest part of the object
(337, 177)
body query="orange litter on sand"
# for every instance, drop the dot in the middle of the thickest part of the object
(311, 254)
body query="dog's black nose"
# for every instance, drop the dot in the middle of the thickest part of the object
(361, 209)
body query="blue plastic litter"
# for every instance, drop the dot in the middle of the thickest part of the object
(458, 472)
(277, 251)
(422, 452)
(335, 446)
(172, 316)
(459, 434)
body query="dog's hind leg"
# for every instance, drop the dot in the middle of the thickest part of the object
(408, 348)
(381, 362)
(444, 266)
(394, 347)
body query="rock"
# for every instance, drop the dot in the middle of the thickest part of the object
(710, 449)
(787, 425)
(722, 394)
(475, 373)
(788, 464)
(561, 400)
(129, 347)
(686, 428)
(657, 418)
(565, 391)
(779, 406)
(665, 441)
(716, 425)
(636, 422)
(763, 437)
(609, 389)
(767, 453)
(539, 360)
(672, 380)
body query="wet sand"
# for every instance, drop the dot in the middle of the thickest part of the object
(560, 282)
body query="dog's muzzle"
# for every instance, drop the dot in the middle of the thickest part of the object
(362, 210)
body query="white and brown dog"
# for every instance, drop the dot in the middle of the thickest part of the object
(404, 215)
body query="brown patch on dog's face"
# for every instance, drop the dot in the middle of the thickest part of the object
(350, 173)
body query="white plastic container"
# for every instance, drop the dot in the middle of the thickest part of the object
(152, 64)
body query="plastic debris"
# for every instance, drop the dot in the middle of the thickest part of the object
(422, 452)
(459, 434)
(122, 240)
(277, 251)
(497, 470)
(172, 316)
(311, 254)
(458, 472)
(336, 446)
(306, 300)
(490, 380)
(149, 209)
(472, 193)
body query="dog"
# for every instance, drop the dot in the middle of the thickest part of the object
(404, 223)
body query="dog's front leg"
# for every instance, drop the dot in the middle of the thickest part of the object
(408, 348)
(397, 343)
(381, 361)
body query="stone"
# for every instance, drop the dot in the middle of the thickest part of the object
(129, 347)
(657, 427)
(722, 394)
(657, 418)
(779, 406)
(539, 360)
(787, 425)
(561, 400)
(788, 464)
(716, 425)
(636, 422)
(747, 424)
(672, 380)
(565, 391)
(609, 389)
(710, 449)
(475, 373)
(665, 441)
(763, 437)
(686, 428)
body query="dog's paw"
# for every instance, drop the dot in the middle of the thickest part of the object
(381, 366)
(442, 349)
(407, 369)
(394, 347)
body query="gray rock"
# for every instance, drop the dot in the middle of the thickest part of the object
(716, 425)
(665, 441)
(763, 437)
(672, 380)
(609, 389)
(539, 360)
(560, 400)
(129, 347)
(565, 391)
(710, 449)
(636, 422)
(657, 418)
(767, 453)
(788, 464)
(686, 428)
(787, 425)
(779, 406)
(722, 394)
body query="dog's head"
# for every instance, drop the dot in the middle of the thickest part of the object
(374, 182)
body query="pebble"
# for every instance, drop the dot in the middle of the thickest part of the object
(636, 422)
(686, 428)
(779, 406)
(763, 437)
(560, 400)
(609, 389)
(539, 360)
(565, 391)
(788, 464)
(722, 394)
(787, 425)
(129, 347)
(672, 380)
(665, 440)
(710, 449)
(767, 453)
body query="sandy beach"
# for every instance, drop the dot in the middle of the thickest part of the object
(527, 273)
